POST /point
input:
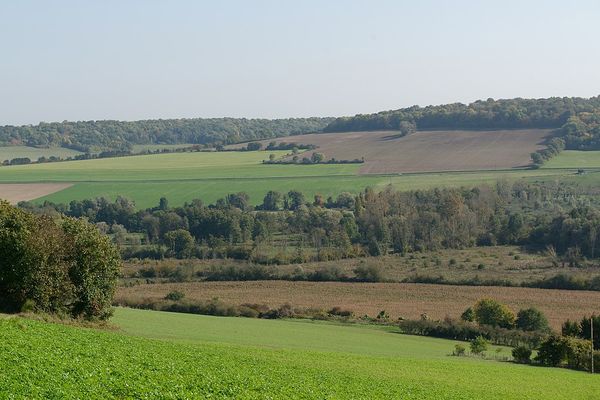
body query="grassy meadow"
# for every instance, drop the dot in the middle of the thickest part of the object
(187, 356)
(182, 177)
(33, 153)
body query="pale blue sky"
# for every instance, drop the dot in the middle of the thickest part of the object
(126, 59)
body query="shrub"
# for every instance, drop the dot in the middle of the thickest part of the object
(553, 351)
(64, 266)
(175, 295)
(479, 345)
(531, 319)
(459, 350)
(490, 312)
(522, 354)
(468, 315)
(368, 273)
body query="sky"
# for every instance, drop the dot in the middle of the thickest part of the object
(144, 59)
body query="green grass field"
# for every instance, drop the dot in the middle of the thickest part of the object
(575, 159)
(33, 153)
(210, 357)
(183, 177)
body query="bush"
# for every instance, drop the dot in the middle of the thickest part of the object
(175, 295)
(61, 267)
(522, 354)
(553, 351)
(531, 319)
(368, 273)
(459, 350)
(468, 315)
(490, 312)
(479, 345)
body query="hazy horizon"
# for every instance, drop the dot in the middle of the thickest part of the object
(135, 60)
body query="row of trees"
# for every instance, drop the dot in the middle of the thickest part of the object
(561, 219)
(94, 136)
(577, 120)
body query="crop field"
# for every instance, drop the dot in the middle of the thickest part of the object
(16, 192)
(208, 357)
(33, 153)
(183, 177)
(407, 300)
(387, 152)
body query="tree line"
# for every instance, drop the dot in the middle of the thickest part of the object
(560, 219)
(576, 120)
(108, 135)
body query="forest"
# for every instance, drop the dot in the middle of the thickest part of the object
(576, 120)
(289, 228)
(97, 136)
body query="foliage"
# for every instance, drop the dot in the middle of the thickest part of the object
(522, 354)
(175, 295)
(459, 350)
(490, 312)
(460, 330)
(567, 351)
(64, 266)
(479, 345)
(582, 329)
(531, 319)
(91, 136)
(577, 120)
(468, 315)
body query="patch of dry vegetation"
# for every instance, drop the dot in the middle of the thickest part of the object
(407, 300)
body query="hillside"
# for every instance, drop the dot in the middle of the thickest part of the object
(575, 119)
(386, 152)
(208, 357)
(91, 136)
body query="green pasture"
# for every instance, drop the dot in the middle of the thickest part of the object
(226, 358)
(33, 153)
(283, 334)
(575, 159)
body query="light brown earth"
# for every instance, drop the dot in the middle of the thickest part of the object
(408, 300)
(425, 151)
(16, 192)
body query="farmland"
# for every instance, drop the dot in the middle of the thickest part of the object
(407, 300)
(200, 357)
(33, 153)
(15, 192)
(388, 152)
(182, 177)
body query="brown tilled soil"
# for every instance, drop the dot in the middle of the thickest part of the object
(15, 192)
(408, 300)
(387, 152)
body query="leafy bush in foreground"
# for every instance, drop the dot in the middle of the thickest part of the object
(64, 267)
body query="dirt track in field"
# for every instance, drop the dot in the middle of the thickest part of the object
(426, 151)
(408, 300)
(16, 192)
